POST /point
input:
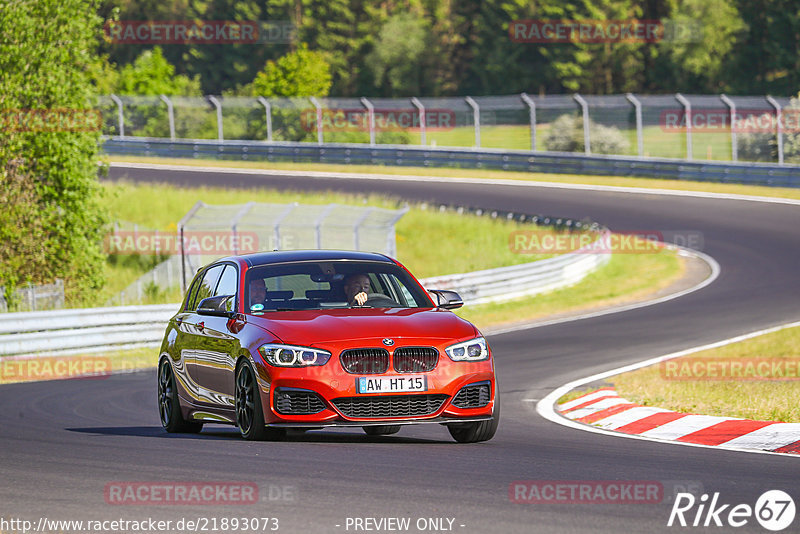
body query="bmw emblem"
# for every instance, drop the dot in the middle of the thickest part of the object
(388, 342)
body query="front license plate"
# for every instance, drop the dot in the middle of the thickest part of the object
(391, 384)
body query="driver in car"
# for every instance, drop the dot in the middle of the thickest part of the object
(258, 292)
(356, 287)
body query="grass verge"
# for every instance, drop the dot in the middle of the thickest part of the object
(750, 389)
(617, 181)
(757, 379)
(429, 242)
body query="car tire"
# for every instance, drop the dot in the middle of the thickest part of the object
(169, 408)
(381, 430)
(249, 413)
(477, 431)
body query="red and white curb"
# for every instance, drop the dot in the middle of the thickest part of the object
(605, 409)
(614, 416)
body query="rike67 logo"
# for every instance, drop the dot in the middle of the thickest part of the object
(774, 510)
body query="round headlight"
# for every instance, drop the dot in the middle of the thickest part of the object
(458, 352)
(474, 351)
(286, 356)
(308, 357)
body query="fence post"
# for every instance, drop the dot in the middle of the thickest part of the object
(181, 225)
(532, 112)
(391, 240)
(268, 110)
(215, 102)
(371, 114)
(170, 115)
(318, 107)
(120, 116)
(687, 107)
(734, 148)
(476, 118)
(779, 130)
(357, 225)
(277, 225)
(637, 107)
(417, 104)
(235, 225)
(587, 147)
(318, 223)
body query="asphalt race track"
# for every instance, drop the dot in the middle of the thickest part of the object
(62, 442)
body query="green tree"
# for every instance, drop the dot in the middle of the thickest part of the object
(397, 56)
(766, 58)
(705, 32)
(303, 72)
(151, 74)
(53, 220)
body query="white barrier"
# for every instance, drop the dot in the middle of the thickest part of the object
(107, 328)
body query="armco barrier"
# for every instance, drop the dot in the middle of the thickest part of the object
(105, 328)
(408, 155)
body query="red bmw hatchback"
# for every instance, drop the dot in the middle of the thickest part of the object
(318, 338)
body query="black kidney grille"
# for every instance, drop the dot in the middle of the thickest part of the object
(365, 361)
(473, 396)
(297, 402)
(389, 406)
(415, 359)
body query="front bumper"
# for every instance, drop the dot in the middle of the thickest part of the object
(341, 404)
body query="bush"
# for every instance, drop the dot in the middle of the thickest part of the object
(566, 135)
(763, 146)
(53, 220)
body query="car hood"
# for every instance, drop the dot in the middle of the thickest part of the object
(314, 327)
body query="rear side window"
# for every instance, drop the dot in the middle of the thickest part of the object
(227, 285)
(207, 286)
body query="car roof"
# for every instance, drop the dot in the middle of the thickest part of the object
(283, 256)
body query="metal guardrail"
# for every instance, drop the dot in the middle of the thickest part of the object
(506, 283)
(99, 328)
(511, 160)
(85, 328)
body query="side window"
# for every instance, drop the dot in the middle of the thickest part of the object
(192, 294)
(227, 285)
(207, 286)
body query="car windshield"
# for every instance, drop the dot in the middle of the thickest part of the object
(329, 285)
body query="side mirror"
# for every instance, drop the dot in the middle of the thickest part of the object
(215, 306)
(449, 300)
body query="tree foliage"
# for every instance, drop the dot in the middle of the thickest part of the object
(439, 47)
(299, 73)
(52, 221)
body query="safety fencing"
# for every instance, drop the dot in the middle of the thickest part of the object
(689, 127)
(769, 174)
(35, 297)
(69, 331)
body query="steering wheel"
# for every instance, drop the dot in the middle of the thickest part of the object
(379, 300)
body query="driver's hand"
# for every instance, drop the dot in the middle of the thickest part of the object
(360, 298)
